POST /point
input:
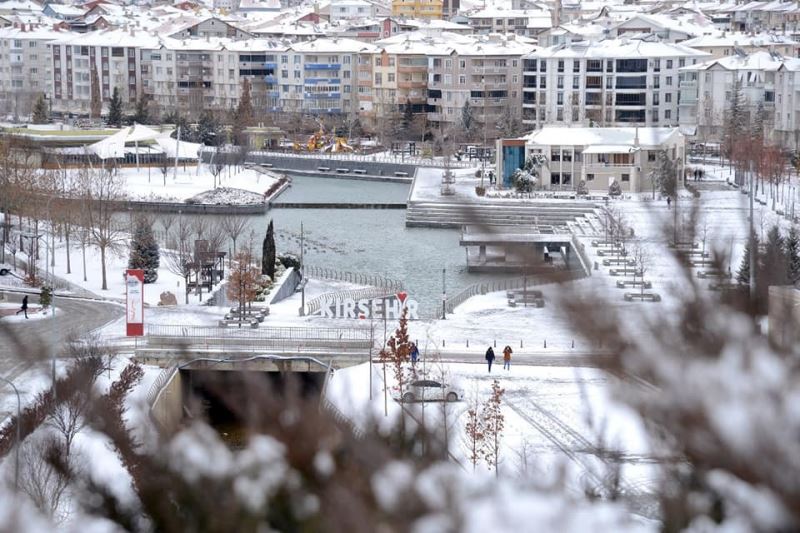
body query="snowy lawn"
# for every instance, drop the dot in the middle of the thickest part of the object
(8, 312)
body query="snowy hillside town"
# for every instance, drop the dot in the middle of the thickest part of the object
(399, 265)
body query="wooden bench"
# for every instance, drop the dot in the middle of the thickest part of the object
(342, 170)
(401, 174)
(324, 169)
(224, 323)
(268, 165)
(609, 262)
(630, 272)
(725, 286)
(359, 171)
(610, 253)
(713, 274)
(606, 244)
(644, 297)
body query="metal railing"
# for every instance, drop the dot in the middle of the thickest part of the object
(580, 249)
(315, 304)
(373, 280)
(499, 285)
(265, 333)
(164, 377)
(371, 158)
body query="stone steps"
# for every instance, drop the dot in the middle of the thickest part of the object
(433, 214)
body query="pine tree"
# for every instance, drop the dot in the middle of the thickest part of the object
(268, 253)
(41, 115)
(96, 103)
(144, 251)
(743, 274)
(243, 115)
(209, 131)
(408, 116)
(142, 113)
(115, 109)
(792, 254)
(735, 123)
(664, 175)
(773, 263)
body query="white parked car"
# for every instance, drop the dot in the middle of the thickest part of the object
(428, 390)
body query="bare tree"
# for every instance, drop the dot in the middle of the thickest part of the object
(234, 226)
(40, 480)
(200, 227)
(493, 424)
(167, 221)
(102, 190)
(243, 282)
(474, 432)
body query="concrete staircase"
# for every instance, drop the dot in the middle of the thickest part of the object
(455, 215)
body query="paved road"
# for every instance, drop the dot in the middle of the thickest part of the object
(76, 318)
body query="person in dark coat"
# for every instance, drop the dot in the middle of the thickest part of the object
(24, 308)
(414, 353)
(490, 357)
(669, 201)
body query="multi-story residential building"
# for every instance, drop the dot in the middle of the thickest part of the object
(25, 68)
(671, 28)
(767, 83)
(418, 9)
(319, 76)
(726, 43)
(113, 55)
(529, 22)
(350, 9)
(598, 156)
(394, 77)
(484, 71)
(608, 83)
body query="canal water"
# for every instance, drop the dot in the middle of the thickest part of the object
(370, 241)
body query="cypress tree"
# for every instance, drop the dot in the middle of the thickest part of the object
(142, 114)
(773, 263)
(743, 274)
(268, 253)
(115, 109)
(96, 102)
(144, 251)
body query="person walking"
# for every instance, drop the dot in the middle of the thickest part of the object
(414, 353)
(507, 357)
(24, 308)
(490, 358)
(669, 202)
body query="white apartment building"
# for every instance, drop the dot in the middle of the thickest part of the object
(350, 9)
(114, 56)
(601, 156)
(767, 81)
(484, 71)
(25, 68)
(615, 82)
(726, 43)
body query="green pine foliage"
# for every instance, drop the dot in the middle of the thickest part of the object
(268, 253)
(144, 251)
(773, 262)
(792, 254)
(743, 274)
(142, 113)
(46, 297)
(115, 109)
(41, 114)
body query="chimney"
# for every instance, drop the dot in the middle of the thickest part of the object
(636, 137)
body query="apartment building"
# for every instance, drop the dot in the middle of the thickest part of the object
(768, 83)
(25, 68)
(484, 71)
(319, 76)
(393, 77)
(419, 9)
(528, 22)
(615, 82)
(727, 43)
(113, 55)
(191, 76)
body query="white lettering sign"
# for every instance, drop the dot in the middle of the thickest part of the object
(390, 307)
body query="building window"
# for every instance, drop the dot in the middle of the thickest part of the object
(669, 81)
(576, 66)
(669, 64)
(576, 82)
(668, 98)
(626, 177)
(561, 65)
(651, 157)
(560, 98)
(589, 177)
(560, 82)
(668, 114)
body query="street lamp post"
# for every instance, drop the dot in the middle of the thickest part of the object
(444, 295)
(19, 432)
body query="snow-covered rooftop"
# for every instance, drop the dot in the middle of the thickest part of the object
(760, 60)
(618, 48)
(618, 137)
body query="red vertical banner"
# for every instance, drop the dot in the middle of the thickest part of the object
(134, 302)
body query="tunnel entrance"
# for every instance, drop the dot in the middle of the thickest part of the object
(222, 396)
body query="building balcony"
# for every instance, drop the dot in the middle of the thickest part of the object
(271, 64)
(321, 96)
(271, 78)
(320, 110)
(322, 66)
(323, 81)
(411, 69)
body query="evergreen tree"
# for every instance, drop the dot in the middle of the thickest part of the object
(408, 116)
(664, 175)
(773, 263)
(242, 115)
(268, 253)
(96, 103)
(467, 120)
(41, 115)
(144, 251)
(735, 122)
(209, 131)
(115, 109)
(743, 274)
(142, 113)
(792, 254)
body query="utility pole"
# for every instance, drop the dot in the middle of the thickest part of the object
(177, 151)
(19, 431)
(752, 243)
(303, 280)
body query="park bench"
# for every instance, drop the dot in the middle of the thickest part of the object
(713, 274)
(268, 165)
(323, 169)
(616, 252)
(700, 262)
(644, 297)
(609, 262)
(623, 272)
(359, 171)
(401, 174)
(342, 170)
(724, 286)
(225, 322)
(624, 284)
(606, 244)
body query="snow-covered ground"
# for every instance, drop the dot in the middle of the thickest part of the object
(34, 312)
(151, 185)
